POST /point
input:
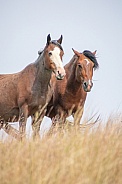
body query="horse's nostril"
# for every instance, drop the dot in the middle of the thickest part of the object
(85, 84)
(59, 74)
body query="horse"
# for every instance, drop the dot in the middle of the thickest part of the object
(69, 95)
(28, 91)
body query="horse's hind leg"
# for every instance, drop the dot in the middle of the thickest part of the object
(10, 130)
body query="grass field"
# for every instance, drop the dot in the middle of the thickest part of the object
(85, 156)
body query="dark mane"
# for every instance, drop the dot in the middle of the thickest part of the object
(92, 57)
(57, 44)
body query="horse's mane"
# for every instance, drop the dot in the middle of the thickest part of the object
(92, 57)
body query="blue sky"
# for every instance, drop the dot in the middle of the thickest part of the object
(91, 25)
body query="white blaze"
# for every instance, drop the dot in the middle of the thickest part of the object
(87, 61)
(90, 82)
(55, 57)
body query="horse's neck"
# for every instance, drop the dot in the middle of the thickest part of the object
(42, 78)
(73, 85)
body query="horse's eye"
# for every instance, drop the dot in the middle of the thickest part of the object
(50, 53)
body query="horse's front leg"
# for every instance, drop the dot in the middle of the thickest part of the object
(78, 115)
(35, 125)
(55, 125)
(23, 119)
(37, 120)
(58, 123)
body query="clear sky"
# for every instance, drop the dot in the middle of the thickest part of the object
(91, 25)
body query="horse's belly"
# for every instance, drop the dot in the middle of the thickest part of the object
(10, 116)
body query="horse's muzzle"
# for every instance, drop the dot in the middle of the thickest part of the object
(59, 77)
(60, 73)
(87, 85)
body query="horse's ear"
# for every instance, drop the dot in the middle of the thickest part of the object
(48, 39)
(39, 52)
(94, 53)
(60, 39)
(76, 53)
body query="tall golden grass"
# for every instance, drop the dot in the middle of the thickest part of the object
(85, 156)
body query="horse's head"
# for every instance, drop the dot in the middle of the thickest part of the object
(53, 53)
(85, 64)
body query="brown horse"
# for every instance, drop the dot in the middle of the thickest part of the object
(69, 95)
(24, 93)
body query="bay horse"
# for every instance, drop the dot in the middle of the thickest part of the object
(69, 95)
(28, 91)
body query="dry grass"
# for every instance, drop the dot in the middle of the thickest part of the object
(76, 157)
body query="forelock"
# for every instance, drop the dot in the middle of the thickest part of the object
(57, 44)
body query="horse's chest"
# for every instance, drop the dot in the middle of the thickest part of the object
(37, 101)
(70, 103)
